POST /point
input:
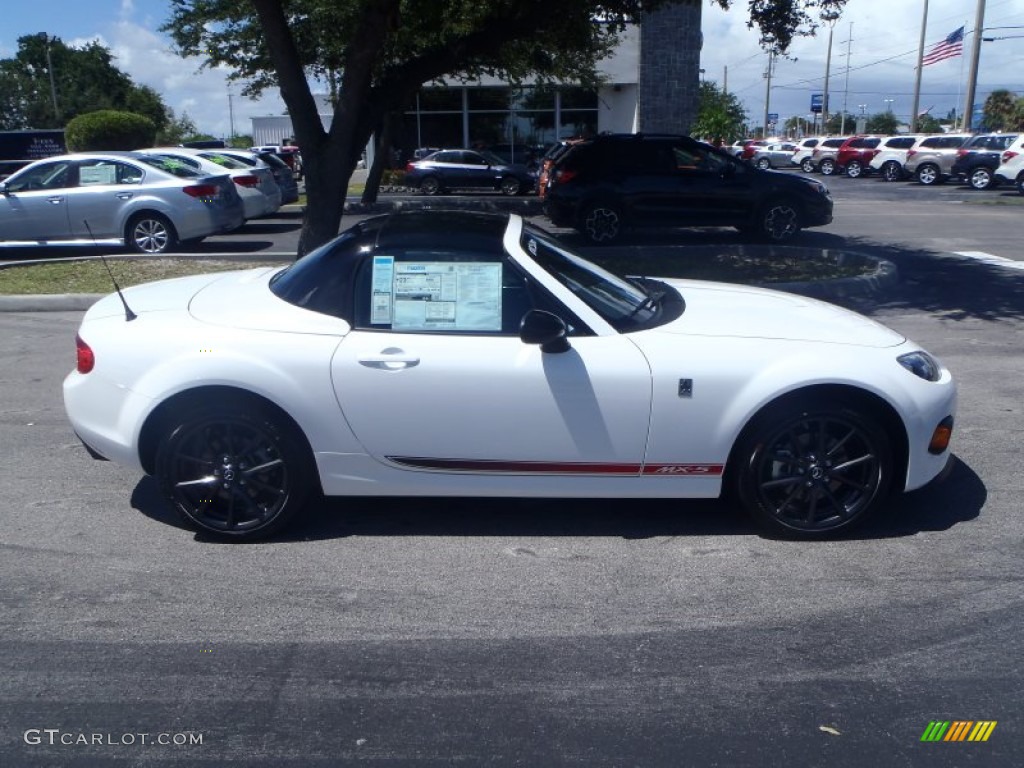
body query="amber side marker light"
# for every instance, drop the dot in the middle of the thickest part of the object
(941, 436)
(86, 358)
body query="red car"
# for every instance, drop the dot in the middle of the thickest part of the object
(750, 147)
(855, 154)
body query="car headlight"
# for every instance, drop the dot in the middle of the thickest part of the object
(920, 364)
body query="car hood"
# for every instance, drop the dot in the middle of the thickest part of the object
(721, 309)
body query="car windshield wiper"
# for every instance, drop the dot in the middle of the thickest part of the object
(651, 301)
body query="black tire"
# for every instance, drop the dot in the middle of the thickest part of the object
(1020, 184)
(981, 178)
(778, 222)
(601, 223)
(807, 165)
(854, 169)
(234, 471)
(892, 171)
(764, 163)
(430, 186)
(509, 186)
(150, 233)
(827, 167)
(812, 470)
(929, 174)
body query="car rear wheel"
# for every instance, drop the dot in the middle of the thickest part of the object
(430, 186)
(764, 163)
(854, 169)
(827, 167)
(601, 223)
(150, 233)
(929, 174)
(807, 166)
(813, 469)
(509, 186)
(779, 222)
(234, 471)
(980, 178)
(1020, 184)
(892, 171)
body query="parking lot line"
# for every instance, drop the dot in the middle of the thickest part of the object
(989, 258)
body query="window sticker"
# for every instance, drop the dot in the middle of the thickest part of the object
(381, 298)
(440, 296)
(97, 174)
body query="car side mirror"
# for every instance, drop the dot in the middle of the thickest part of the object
(3, 189)
(546, 329)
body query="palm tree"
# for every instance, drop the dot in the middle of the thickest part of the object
(1000, 112)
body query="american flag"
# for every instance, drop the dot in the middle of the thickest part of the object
(952, 45)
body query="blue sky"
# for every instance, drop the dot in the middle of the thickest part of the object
(882, 56)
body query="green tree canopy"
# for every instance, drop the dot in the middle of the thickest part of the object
(375, 54)
(84, 80)
(109, 129)
(719, 115)
(883, 122)
(1003, 111)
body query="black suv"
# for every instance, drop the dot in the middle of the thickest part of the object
(977, 160)
(613, 181)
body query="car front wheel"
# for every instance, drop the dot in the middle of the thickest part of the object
(807, 166)
(854, 169)
(601, 223)
(892, 171)
(764, 163)
(928, 174)
(509, 186)
(827, 167)
(150, 233)
(779, 222)
(980, 178)
(812, 470)
(233, 471)
(430, 186)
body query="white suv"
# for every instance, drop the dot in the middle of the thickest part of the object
(802, 156)
(892, 154)
(1011, 166)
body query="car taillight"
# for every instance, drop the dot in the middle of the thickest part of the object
(962, 152)
(911, 153)
(563, 175)
(246, 181)
(409, 167)
(201, 190)
(86, 358)
(1008, 155)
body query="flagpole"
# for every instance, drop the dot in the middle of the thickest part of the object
(972, 80)
(917, 79)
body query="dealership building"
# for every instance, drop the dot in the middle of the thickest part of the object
(649, 83)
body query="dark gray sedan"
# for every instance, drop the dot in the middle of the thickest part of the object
(468, 169)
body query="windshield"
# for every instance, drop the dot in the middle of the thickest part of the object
(169, 165)
(625, 305)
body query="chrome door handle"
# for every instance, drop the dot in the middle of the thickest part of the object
(55, 200)
(125, 195)
(390, 359)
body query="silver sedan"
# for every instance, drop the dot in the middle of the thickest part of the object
(115, 198)
(776, 155)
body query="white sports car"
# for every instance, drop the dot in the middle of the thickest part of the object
(465, 354)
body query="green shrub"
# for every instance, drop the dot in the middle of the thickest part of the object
(109, 129)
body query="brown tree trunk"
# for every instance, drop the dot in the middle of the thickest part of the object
(382, 148)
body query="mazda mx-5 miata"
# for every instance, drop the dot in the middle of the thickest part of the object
(464, 354)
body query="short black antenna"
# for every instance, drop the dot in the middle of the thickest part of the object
(128, 314)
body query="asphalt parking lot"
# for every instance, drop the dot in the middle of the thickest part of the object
(536, 633)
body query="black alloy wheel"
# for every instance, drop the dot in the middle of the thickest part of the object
(813, 471)
(509, 186)
(601, 223)
(234, 472)
(150, 233)
(892, 171)
(430, 186)
(779, 222)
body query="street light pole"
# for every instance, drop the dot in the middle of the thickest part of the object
(53, 87)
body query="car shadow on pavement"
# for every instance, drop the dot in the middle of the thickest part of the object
(958, 498)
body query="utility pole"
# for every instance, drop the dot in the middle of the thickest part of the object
(828, 66)
(767, 93)
(53, 87)
(917, 80)
(725, 80)
(972, 79)
(846, 87)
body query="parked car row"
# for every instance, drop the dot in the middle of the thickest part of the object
(450, 169)
(149, 201)
(976, 159)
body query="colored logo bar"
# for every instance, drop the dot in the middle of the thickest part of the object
(958, 730)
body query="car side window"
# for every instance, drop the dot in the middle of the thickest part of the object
(48, 176)
(96, 172)
(419, 291)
